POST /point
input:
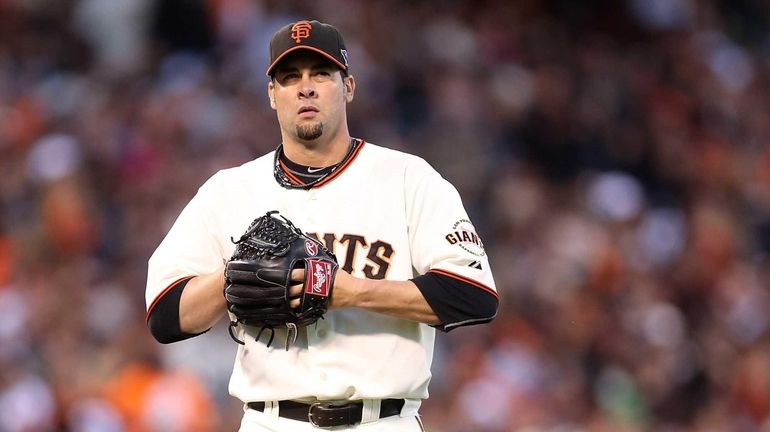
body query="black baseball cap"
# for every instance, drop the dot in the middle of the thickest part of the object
(315, 36)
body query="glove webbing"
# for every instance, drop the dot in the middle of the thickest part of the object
(266, 236)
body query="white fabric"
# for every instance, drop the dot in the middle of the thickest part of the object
(371, 410)
(271, 410)
(388, 214)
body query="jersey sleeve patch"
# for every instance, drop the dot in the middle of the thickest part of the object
(463, 235)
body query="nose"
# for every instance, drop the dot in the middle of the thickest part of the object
(307, 92)
(307, 89)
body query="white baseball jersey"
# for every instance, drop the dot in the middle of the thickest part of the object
(385, 214)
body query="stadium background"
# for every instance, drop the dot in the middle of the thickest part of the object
(615, 156)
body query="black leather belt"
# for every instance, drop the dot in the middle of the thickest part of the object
(330, 414)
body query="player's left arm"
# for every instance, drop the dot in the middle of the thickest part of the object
(455, 286)
(434, 299)
(401, 299)
(454, 275)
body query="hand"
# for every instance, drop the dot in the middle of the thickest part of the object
(262, 290)
(342, 295)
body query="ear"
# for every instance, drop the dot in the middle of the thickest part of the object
(350, 88)
(271, 93)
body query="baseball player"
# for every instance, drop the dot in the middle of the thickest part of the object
(410, 260)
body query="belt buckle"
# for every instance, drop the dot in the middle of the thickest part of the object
(310, 416)
(336, 414)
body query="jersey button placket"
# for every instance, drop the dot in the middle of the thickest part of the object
(312, 205)
(319, 332)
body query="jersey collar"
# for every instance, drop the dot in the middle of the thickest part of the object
(286, 179)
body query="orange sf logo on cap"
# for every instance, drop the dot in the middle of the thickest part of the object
(301, 30)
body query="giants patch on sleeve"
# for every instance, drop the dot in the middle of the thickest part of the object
(318, 278)
(464, 235)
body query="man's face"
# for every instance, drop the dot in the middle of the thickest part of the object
(309, 95)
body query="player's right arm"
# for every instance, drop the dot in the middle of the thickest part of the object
(185, 274)
(202, 304)
(188, 308)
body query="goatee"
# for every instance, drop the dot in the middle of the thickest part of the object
(310, 132)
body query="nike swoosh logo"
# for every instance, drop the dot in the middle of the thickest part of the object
(313, 170)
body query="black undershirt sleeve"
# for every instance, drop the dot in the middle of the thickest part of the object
(164, 317)
(456, 303)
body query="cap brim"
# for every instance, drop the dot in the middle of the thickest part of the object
(305, 47)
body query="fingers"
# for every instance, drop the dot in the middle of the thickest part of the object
(298, 275)
(295, 290)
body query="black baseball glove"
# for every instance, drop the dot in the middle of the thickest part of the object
(258, 277)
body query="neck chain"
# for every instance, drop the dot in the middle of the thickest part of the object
(283, 180)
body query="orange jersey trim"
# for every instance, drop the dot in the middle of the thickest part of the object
(342, 168)
(466, 280)
(164, 292)
(294, 179)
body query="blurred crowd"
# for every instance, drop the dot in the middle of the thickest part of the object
(614, 156)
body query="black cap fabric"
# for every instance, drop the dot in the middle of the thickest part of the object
(315, 36)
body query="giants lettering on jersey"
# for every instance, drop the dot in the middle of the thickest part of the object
(378, 253)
